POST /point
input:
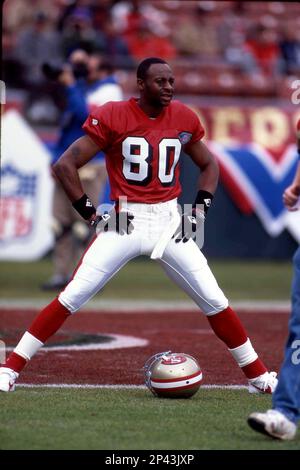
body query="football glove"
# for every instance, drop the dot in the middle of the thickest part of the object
(120, 222)
(190, 226)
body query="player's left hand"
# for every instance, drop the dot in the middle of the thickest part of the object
(120, 222)
(191, 224)
(291, 197)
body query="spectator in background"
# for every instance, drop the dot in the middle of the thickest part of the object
(115, 47)
(127, 17)
(290, 50)
(79, 33)
(195, 36)
(88, 81)
(35, 43)
(143, 43)
(18, 16)
(262, 51)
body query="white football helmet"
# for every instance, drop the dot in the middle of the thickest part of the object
(172, 375)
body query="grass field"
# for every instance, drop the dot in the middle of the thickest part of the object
(131, 419)
(144, 279)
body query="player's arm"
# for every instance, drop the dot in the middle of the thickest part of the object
(209, 176)
(66, 171)
(292, 192)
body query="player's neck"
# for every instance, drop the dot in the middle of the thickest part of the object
(149, 110)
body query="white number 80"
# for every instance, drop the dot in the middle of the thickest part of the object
(137, 167)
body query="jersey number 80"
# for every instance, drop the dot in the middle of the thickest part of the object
(137, 154)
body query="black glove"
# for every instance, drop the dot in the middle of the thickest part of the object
(120, 222)
(191, 225)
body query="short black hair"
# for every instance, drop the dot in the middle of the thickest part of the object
(145, 64)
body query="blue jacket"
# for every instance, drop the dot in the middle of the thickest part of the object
(75, 114)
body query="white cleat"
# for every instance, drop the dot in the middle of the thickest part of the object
(273, 424)
(265, 383)
(8, 378)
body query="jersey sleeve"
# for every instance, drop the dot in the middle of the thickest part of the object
(197, 129)
(98, 127)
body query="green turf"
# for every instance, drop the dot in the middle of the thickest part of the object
(144, 279)
(131, 419)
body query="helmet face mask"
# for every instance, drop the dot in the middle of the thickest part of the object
(172, 375)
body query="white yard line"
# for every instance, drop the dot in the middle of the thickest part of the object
(99, 386)
(140, 306)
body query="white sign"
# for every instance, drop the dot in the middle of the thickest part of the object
(26, 192)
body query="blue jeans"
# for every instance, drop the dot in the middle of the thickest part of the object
(286, 398)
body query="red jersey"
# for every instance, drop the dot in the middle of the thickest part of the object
(142, 153)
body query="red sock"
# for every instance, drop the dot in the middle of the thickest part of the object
(15, 362)
(49, 320)
(254, 369)
(228, 327)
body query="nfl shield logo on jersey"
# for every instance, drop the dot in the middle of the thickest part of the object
(184, 137)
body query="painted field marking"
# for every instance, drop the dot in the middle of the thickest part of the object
(122, 386)
(118, 342)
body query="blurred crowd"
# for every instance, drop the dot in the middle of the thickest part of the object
(215, 47)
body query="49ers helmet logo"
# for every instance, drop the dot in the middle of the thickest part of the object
(172, 375)
(173, 359)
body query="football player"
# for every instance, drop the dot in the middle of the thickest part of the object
(143, 139)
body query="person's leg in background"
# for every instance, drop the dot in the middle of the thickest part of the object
(93, 178)
(62, 257)
(287, 396)
(281, 421)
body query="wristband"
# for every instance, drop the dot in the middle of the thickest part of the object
(84, 207)
(205, 198)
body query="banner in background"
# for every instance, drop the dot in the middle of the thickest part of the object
(256, 149)
(26, 192)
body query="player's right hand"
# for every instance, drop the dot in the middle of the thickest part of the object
(120, 222)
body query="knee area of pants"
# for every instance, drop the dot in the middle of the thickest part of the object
(217, 308)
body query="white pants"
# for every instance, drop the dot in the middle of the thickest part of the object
(183, 262)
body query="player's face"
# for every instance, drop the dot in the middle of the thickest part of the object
(158, 87)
